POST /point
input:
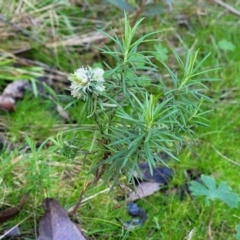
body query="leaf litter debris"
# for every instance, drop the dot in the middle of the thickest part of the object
(13, 211)
(11, 93)
(147, 183)
(56, 224)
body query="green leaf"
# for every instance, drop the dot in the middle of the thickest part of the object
(226, 45)
(238, 232)
(144, 81)
(154, 9)
(138, 59)
(161, 53)
(211, 192)
(121, 4)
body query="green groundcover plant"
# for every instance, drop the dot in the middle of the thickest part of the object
(208, 189)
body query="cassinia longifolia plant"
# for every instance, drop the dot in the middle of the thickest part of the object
(137, 118)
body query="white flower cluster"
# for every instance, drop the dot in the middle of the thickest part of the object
(86, 81)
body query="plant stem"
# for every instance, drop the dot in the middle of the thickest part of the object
(210, 222)
(98, 175)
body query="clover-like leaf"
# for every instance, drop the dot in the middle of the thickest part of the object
(161, 53)
(211, 192)
(238, 232)
(226, 45)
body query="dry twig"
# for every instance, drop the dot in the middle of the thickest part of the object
(228, 7)
(13, 211)
(223, 156)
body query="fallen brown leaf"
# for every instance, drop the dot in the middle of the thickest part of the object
(56, 224)
(144, 189)
(15, 89)
(11, 93)
(7, 103)
(13, 211)
(149, 182)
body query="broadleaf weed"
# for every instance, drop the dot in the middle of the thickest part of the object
(208, 189)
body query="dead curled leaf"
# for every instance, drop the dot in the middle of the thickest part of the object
(16, 89)
(11, 93)
(149, 183)
(64, 114)
(7, 103)
(13, 232)
(144, 189)
(13, 211)
(56, 224)
(160, 175)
